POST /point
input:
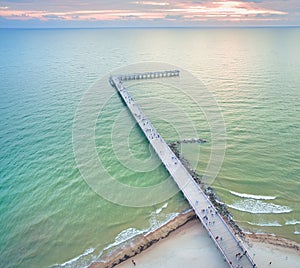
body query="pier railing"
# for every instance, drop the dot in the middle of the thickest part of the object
(148, 75)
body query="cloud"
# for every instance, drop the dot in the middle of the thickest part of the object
(253, 1)
(180, 12)
(130, 18)
(173, 17)
(49, 16)
(149, 3)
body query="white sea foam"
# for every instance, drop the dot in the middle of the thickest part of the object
(296, 232)
(130, 233)
(259, 207)
(124, 236)
(265, 224)
(165, 205)
(159, 210)
(257, 197)
(219, 202)
(292, 222)
(156, 223)
(71, 263)
(264, 233)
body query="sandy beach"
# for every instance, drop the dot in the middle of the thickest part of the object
(190, 246)
(183, 242)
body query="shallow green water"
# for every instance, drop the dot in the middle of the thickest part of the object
(49, 215)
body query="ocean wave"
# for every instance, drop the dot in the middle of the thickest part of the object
(259, 207)
(265, 224)
(257, 197)
(159, 210)
(219, 202)
(292, 222)
(124, 236)
(127, 235)
(130, 233)
(76, 261)
(156, 223)
(264, 233)
(296, 232)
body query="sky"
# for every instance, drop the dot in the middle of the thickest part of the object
(152, 13)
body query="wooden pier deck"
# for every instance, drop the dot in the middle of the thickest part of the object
(230, 246)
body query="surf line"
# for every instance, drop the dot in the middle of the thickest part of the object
(220, 232)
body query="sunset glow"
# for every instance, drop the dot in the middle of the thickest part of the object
(218, 12)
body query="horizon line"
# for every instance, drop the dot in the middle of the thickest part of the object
(151, 27)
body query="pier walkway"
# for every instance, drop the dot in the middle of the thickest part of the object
(222, 235)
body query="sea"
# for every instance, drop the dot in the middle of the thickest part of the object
(51, 215)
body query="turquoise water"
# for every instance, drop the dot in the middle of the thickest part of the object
(49, 216)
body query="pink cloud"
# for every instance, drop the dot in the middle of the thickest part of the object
(225, 8)
(149, 3)
(80, 15)
(217, 10)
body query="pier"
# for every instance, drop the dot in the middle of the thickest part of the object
(148, 75)
(220, 232)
